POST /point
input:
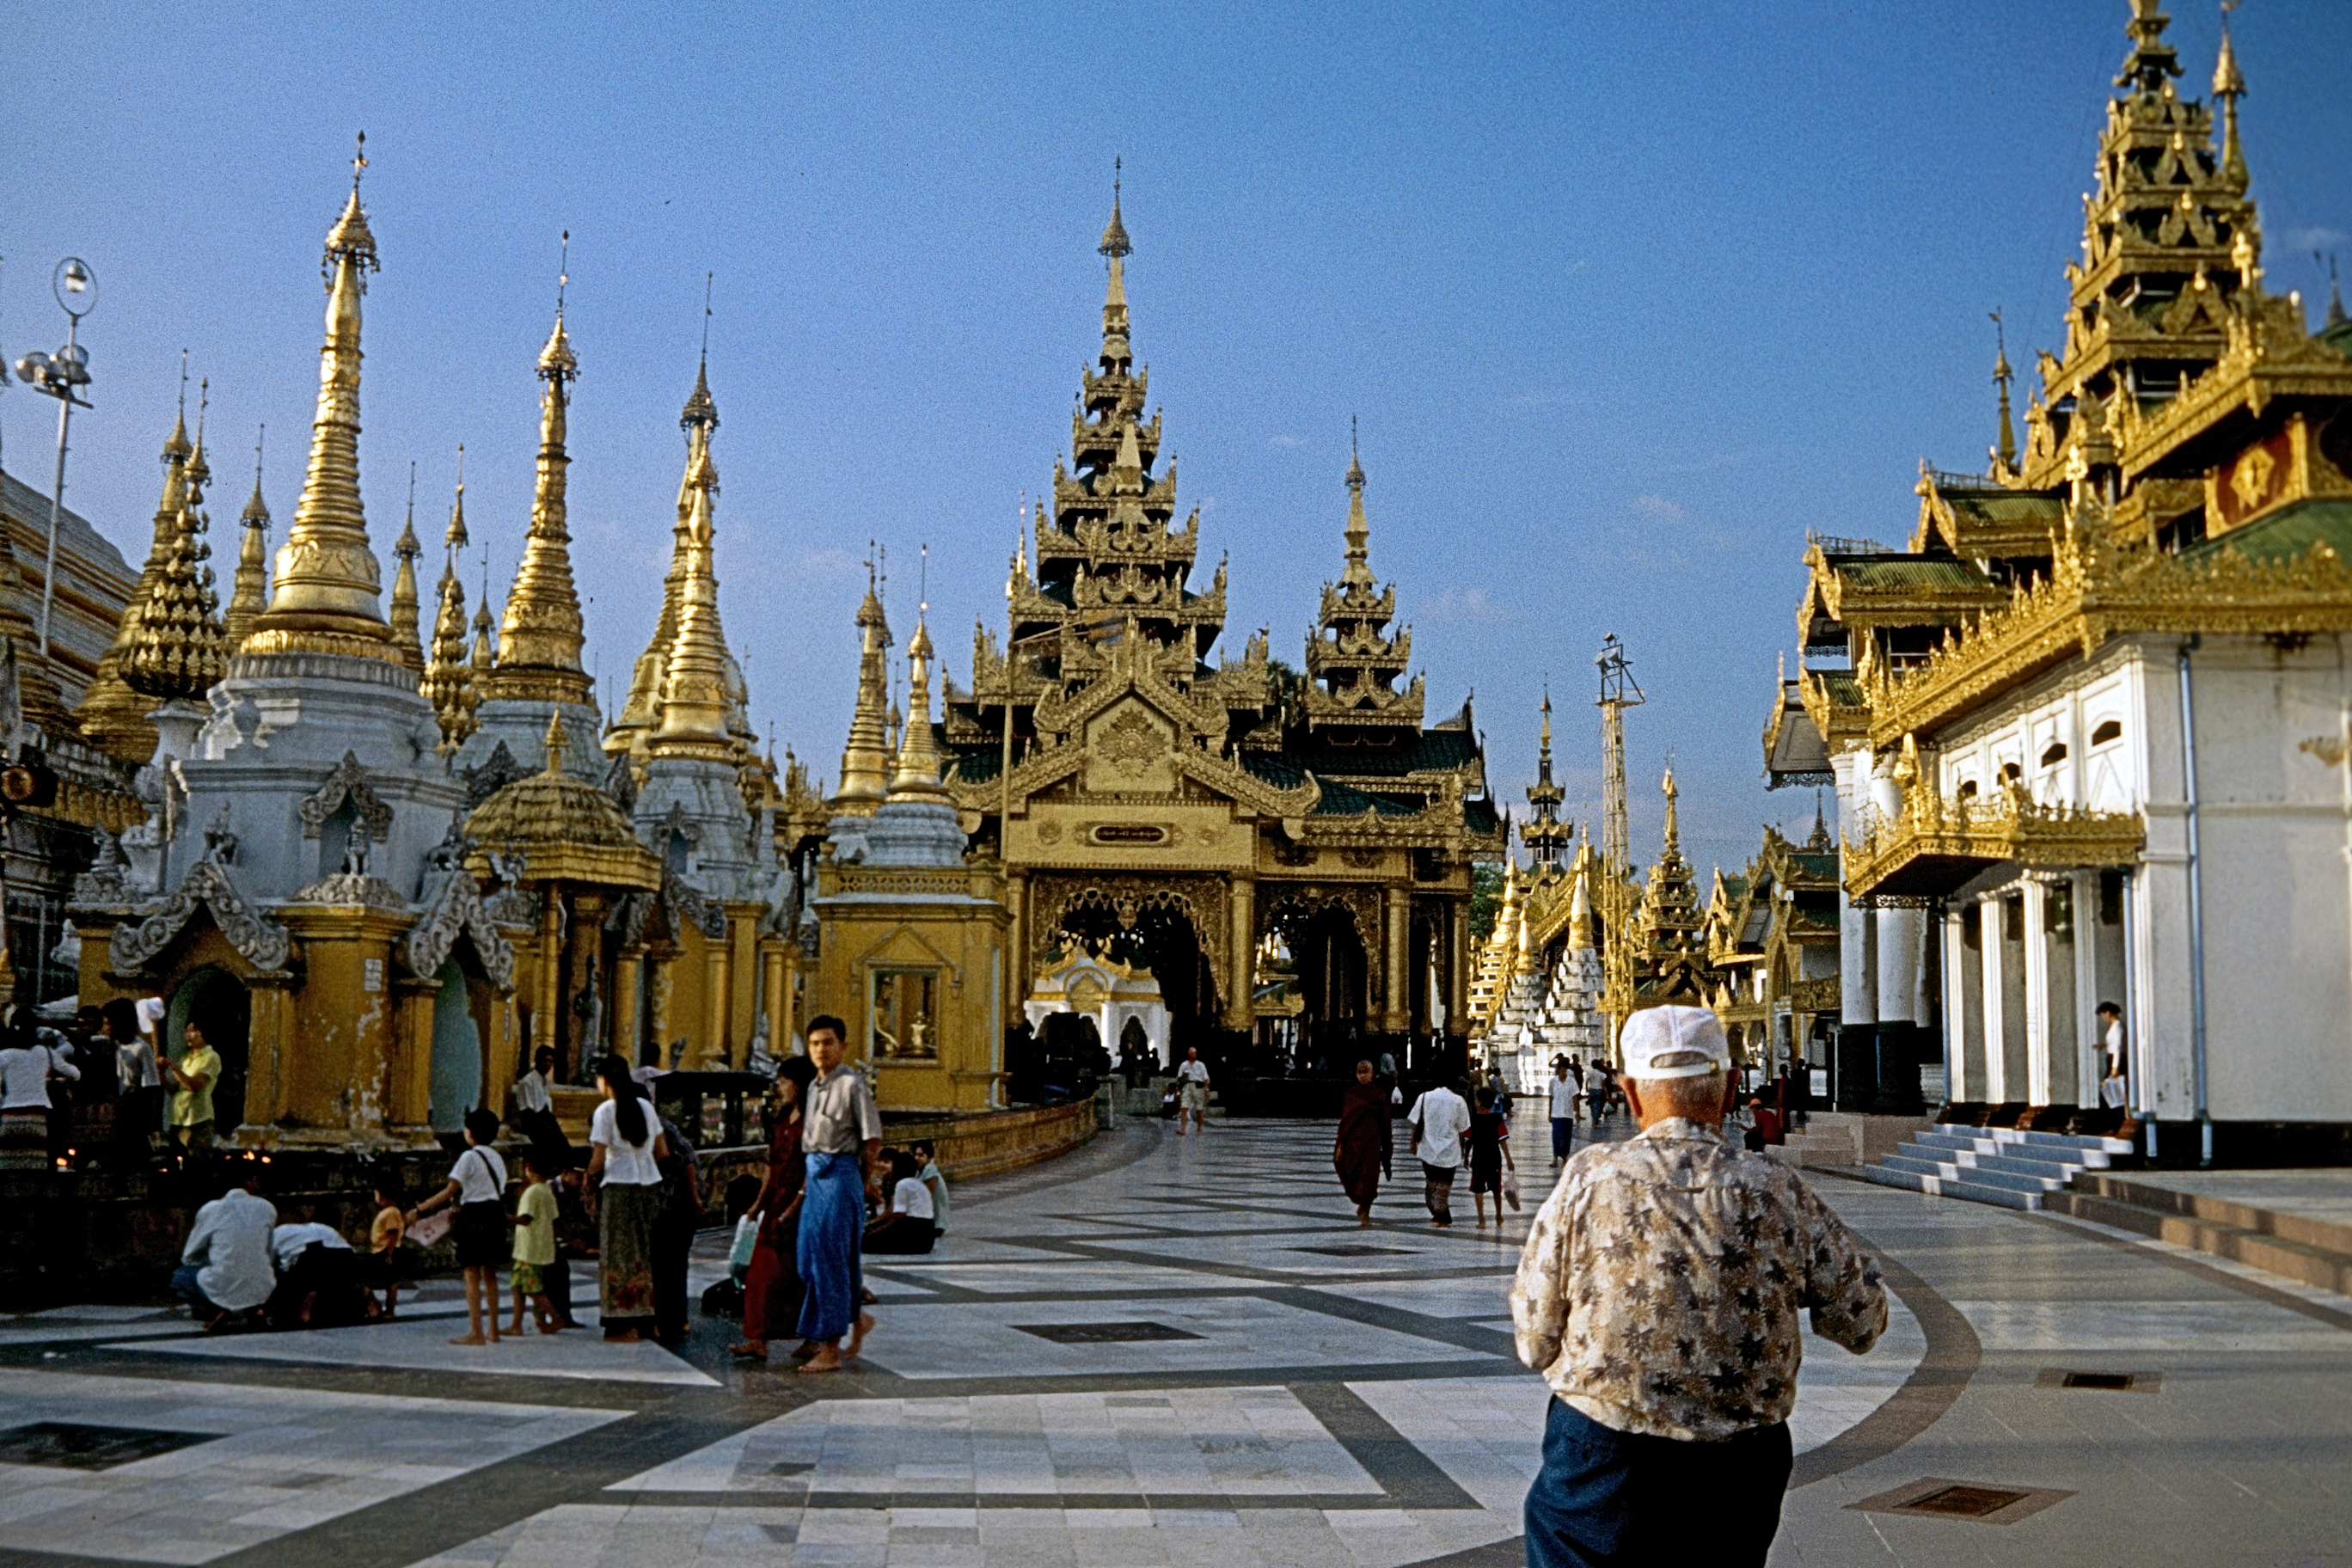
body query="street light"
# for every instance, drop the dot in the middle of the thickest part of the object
(77, 291)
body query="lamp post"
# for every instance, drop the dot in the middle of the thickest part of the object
(77, 291)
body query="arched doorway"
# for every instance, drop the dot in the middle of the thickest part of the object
(221, 1010)
(1158, 937)
(457, 1051)
(1332, 974)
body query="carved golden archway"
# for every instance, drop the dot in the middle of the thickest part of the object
(1203, 901)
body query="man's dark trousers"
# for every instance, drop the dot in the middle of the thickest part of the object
(1607, 1498)
(1562, 1128)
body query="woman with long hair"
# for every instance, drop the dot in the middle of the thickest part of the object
(1362, 1147)
(626, 1152)
(771, 1285)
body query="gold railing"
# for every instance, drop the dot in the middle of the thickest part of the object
(1936, 843)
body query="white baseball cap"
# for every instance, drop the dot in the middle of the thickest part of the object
(1674, 1042)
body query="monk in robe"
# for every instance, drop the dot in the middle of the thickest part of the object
(1361, 1151)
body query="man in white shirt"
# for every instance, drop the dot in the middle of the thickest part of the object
(1192, 1091)
(225, 1270)
(1564, 1092)
(1439, 1119)
(2113, 1086)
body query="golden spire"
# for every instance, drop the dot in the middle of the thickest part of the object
(251, 592)
(1359, 533)
(2005, 446)
(178, 653)
(325, 599)
(917, 775)
(694, 686)
(1673, 828)
(1117, 246)
(540, 636)
(2228, 85)
(112, 716)
(449, 682)
(641, 714)
(403, 586)
(1579, 907)
(555, 743)
(866, 759)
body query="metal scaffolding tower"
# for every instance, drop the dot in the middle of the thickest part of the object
(1619, 691)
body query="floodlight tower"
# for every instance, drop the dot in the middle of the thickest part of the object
(1619, 691)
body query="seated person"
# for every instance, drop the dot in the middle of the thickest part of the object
(226, 1272)
(907, 1226)
(317, 1278)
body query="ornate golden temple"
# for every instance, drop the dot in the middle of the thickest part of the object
(384, 850)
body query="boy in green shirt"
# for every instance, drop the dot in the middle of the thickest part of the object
(534, 1248)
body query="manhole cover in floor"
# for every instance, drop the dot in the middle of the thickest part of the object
(69, 1445)
(1358, 1252)
(1103, 1333)
(1940, 1496)
(2111, 1382)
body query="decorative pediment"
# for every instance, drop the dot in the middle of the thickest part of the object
(348, 782)
(454, 908)
(684, 902)
(257, 939)
(496, 771)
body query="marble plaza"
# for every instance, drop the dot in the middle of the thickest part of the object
(1166, 1351)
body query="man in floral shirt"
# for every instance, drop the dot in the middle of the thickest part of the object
(1658, 1295)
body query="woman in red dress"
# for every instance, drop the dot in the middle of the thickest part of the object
(772, 1285)
(1362, 1147)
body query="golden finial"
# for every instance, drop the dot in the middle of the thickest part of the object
(405, 608)
(543, 631)
(325, 598)
(700, 412)
(917, 774)
(556, 743)
(2005, 448)
(1115, 243)
(447, 683)
(694, 681)
(200, 472)
(250, 587)
(456, 538)
(2228, 85)
(866, 757)
(177, 651)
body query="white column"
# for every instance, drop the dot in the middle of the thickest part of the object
(2087, 1044)
(1955, 1009)
(1857, 975)
(2037, 995)
(1996, 1023)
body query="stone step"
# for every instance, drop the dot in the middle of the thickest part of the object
(2040, 1164)
(2085, 1140)
(1989, 1173)
(2071, 1156)
(1886, 1175)
(2295, 1246)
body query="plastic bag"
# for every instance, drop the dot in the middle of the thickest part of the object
(739, 1257)
(1510, 1189)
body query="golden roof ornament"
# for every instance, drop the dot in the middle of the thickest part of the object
(694, 686)
(403, 586)
(641, 714)
(250, 593)
(2005, 443)
(325, 598)
(916, 777)
(564, 829)
(448, 682)
(542, 632)
(865, 758)
(2229, 87)
(179, 654)
(112, 716)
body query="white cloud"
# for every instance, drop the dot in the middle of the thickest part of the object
(1463, 604)
(1658, 509)
(2318, 238)
(1285, 441)
(829, 567)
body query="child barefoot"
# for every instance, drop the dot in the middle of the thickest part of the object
(475, 1184)
(534, 1248)
(1489, 1141)
(384, 1252)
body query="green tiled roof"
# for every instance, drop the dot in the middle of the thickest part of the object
(2286, 534)
(2008, 506)
(1431, 750)
(1478, 815)
(1885, 574)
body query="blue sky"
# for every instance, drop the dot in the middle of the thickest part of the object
(1626, 298)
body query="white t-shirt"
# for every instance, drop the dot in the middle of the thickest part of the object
(288, 1243)
(530, 1092)
(1189, 1071)
(1443, 1117)
(25, 1077)
(481, 1175)
(134, 1064)
(911, 1197)
(2115, 1047)
(626, 1165)
(1564, 1093)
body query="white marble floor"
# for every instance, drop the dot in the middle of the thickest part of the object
(1158, 1351)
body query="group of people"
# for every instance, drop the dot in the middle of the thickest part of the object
(242, 1266)
(1445, 1133)
(826, 1163)
(109, 1056)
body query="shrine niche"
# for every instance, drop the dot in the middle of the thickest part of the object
(1119, 999)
